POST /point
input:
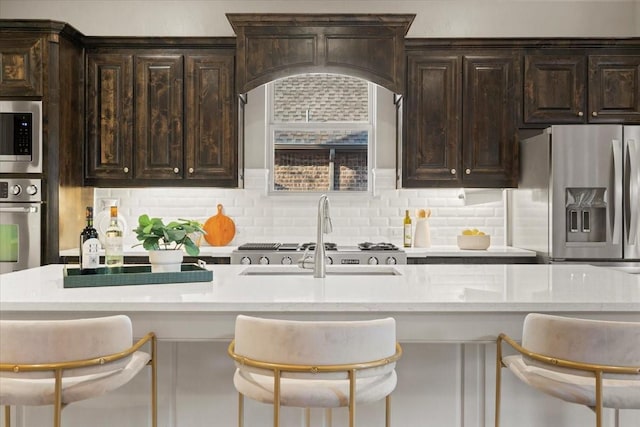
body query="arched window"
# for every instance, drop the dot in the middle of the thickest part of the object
(321, 132)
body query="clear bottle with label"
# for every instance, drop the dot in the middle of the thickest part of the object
(113, 242)
(408, 231)
(89, 246)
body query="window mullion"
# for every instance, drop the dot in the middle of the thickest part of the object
(332, 173)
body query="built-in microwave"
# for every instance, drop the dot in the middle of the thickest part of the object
(20, 136)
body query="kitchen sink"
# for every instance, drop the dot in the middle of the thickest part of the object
(361, 270)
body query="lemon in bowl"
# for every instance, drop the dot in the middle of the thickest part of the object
(473, 239)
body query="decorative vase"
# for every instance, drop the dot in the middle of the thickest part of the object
(422, 238)
(164, 261)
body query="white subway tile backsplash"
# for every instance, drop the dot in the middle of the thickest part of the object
(356, 217)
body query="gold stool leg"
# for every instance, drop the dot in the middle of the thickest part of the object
(57, 410)
(154, 383)
(7, 416)
(498, 379)
(387, 411)
(240, 410)
(598, 398)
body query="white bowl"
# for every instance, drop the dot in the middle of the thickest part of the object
(474, 242)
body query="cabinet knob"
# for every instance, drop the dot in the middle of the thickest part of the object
(176, 170)
(126, 169)
(580, 114)
(453, 171)
(594, 114)
(467, 171)
(190, 170)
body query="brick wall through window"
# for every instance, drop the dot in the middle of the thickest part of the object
(321, 132)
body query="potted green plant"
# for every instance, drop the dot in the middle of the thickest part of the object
(166, 242)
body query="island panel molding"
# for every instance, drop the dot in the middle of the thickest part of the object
(272, 46)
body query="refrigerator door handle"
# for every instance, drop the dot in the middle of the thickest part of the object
(633, 188)
(615, 219)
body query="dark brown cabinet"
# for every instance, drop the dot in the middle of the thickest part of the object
(160, 118)
(554, 88)
(158, 103)
(21, 66)
(614, 88)
(210, 119)
(581, 88)
(461, 120)
(109, 116)
(489, 130)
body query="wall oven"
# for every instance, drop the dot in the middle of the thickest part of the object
(20, 223)
(20, 136)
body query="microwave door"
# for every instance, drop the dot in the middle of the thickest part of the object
(586, 180)
(631, 192)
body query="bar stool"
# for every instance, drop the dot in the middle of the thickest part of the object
(588, 362)
(57, 362)
(314, 364)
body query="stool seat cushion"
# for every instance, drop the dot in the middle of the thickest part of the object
(309, 393)
(616, 393)
(41, 391)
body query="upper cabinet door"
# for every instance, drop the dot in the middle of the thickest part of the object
(158, 116)
(614, 88)
(554, 88)
(210, 121)
(20, 66)
(432, 145)
(109, 114)
(490, 142)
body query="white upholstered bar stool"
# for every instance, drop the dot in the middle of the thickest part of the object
(314, 364)
(588, 362)
(57, 362)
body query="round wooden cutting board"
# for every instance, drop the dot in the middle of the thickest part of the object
(220, 229)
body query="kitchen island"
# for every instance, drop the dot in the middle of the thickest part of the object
(448, 318)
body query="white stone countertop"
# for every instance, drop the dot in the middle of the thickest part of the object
(434, 251)
(454, 251)
(418, 288)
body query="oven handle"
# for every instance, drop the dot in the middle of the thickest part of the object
(27, 210)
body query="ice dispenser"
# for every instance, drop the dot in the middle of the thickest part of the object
(586, 213)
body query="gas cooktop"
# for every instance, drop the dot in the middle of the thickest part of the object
(291, 253)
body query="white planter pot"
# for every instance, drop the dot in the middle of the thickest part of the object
(165, 261)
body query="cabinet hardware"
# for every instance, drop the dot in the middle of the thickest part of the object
(453, 171)
(580, 114)
(594, 114)
(190, 170)
(126, 169)
(467, 171)
(176, 170)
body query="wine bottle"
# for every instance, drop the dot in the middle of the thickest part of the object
(89, 246)
(113, 243)
(408, 232)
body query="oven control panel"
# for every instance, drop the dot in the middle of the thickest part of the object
(20, 190)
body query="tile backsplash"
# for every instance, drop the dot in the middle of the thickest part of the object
(263, 217)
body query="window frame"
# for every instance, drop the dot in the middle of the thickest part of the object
(272, 127)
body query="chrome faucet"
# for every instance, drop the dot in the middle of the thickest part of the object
(324, 226)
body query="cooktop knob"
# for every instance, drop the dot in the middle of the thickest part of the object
(245, 260)
(373, 260)
(16, 189)
(329, 260)
(286, 261)
(32, 190)
(391, 260)
(264, 260)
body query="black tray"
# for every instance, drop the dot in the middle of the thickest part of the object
(134, 275)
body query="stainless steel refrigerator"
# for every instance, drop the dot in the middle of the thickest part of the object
(578, 197)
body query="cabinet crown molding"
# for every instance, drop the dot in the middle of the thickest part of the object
(368, 46)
